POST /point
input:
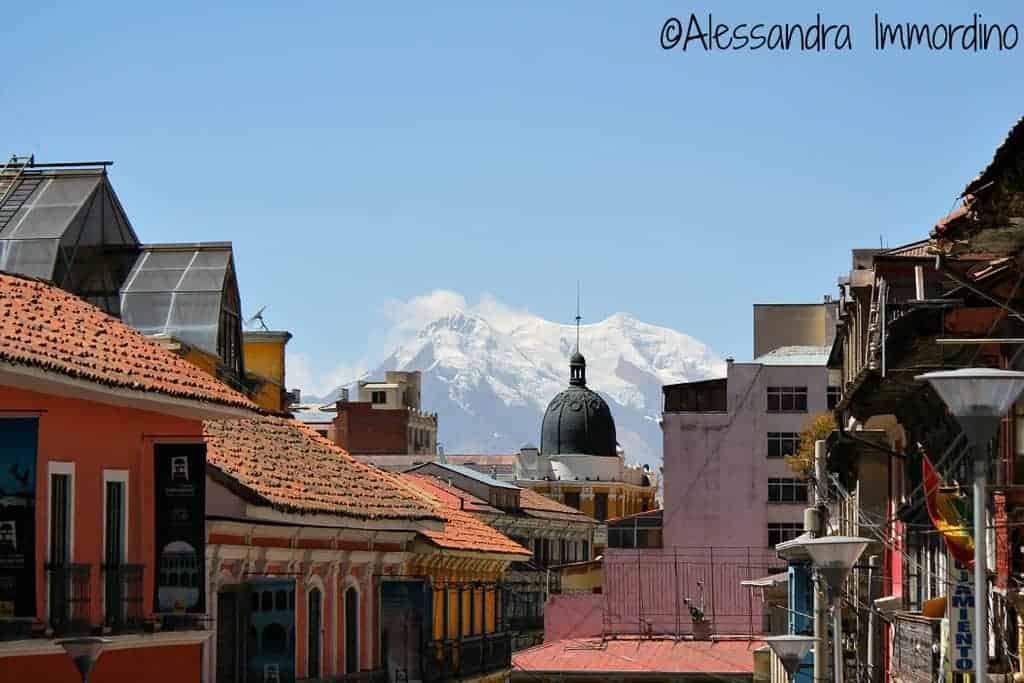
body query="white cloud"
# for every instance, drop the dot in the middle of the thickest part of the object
(303, 374)
(403, 320)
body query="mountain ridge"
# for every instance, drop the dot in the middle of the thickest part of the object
(490, 382)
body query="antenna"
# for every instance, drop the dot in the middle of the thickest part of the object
(578, 315)
(258, 318)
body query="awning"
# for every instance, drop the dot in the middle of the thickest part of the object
(770, 581)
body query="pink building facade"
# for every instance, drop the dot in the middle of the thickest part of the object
(726, 482)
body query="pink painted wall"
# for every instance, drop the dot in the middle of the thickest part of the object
(716, 467)
(573, 616)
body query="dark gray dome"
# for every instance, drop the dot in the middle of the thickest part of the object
(577, 420)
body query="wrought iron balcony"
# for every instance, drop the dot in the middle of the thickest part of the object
(122, 597)
(445, 660)
(69, 598)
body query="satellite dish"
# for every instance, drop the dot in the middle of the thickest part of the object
(258, 318)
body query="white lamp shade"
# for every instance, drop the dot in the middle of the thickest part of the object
(977, 392)
(835, 556)
(84, 652)
(791, 650)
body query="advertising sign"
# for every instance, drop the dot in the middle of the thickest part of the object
(180, 475)
(18, 439)
(960, 609)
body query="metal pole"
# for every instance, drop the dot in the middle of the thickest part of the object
(980, 570)
(873, 562)
(820, 619)
(837, 638)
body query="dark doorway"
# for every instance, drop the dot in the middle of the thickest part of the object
(351, 630)
(313, 655)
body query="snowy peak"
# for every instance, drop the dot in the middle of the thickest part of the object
(491, 380)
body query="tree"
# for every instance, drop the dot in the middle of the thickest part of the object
(815, 429)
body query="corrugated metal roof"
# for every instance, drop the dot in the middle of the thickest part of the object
(796, 355)
(473, 474)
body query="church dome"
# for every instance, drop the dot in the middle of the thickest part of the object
(578, 421)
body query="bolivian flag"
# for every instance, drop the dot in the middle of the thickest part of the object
(948, 512)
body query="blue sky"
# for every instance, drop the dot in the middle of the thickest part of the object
(363, 154)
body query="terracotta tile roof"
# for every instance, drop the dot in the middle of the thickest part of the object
(634, 655)
(539, 505)
(451, 495)
(284, 463)
(44, 327)
(462, 531)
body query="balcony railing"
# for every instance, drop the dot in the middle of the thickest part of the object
(122, 597)
(69, 598)
(445, 660)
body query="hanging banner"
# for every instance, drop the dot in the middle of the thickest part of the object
(180, 474)
(960, 609)
(18, 439)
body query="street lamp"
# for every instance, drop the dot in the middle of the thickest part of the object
(834, 557)
(84, 652)
(978, 398)
(791, 651)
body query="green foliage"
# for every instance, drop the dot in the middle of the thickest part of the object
(815, 429)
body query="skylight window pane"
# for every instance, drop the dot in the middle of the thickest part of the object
(34, 258)
(40, 222)
(195, 318)
(203, 280)
(65, 191)
(146, 312)
(168, 259)
(156, 280)
(211, 259)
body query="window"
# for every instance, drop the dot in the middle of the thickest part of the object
(782, 443)
(834, 394)
(322, 432)
(787, 491)
(378, 397)
(600, 506)
(787, 399)
(117, 587)
(779, 532)
(572, 499)
(313, 632)
(351, 630)
(61, 507)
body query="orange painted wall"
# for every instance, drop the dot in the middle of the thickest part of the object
(171, 664)
(95, 437)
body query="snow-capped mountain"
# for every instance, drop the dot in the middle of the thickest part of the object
(491, 386)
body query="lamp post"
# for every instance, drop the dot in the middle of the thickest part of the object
(791, 651)
(978, 398)
(84, 652)
(834, 557)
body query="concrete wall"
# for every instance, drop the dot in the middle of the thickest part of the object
(716, 467)
(777, 325)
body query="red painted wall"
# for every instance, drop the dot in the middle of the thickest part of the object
(95, 437)
(170, 664)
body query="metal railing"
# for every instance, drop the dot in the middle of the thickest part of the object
(69, 598)
(122, 597)
(445, 660)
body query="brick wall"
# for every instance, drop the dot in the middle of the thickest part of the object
(361, 429)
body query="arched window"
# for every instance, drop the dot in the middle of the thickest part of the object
(313, 633)
(351, 630)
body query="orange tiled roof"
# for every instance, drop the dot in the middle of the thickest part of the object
(287, 465)
(532, 501)
(44, 327)
(451, 495)
(462, 531)
(638, 655)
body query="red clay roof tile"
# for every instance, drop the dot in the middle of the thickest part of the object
(531, 501)
(289, 466)
(44, 327)
(462, 531)
(634, 655)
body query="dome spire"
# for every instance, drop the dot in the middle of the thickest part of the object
(577, 363)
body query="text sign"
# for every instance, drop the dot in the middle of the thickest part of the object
(960, 609)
